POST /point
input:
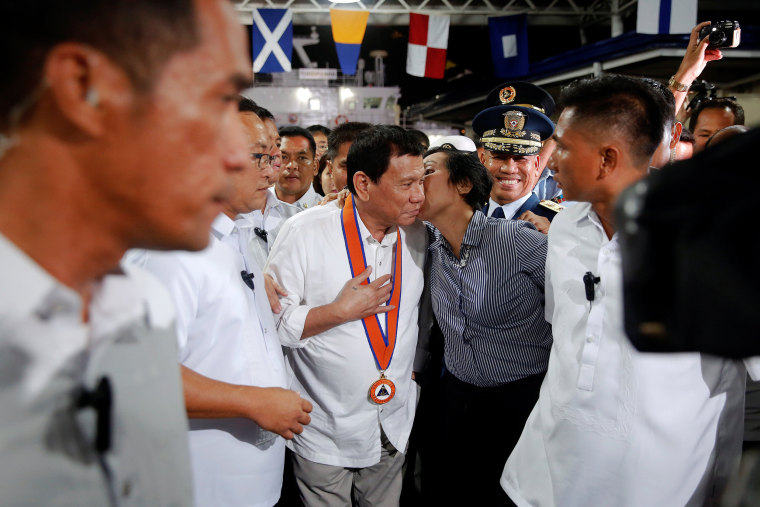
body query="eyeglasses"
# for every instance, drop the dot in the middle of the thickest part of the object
(263, 159)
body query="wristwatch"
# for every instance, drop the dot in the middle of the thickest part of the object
(679, 87)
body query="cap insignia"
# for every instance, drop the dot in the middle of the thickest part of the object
(514, 121)
(507, 95)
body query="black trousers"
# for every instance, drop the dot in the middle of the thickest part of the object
(477, 429)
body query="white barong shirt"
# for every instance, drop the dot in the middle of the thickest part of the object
(334, 369)
(612, 425)
(226, 332)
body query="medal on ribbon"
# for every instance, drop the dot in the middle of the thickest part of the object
(381, 344)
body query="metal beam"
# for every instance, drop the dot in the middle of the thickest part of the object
(471, 12)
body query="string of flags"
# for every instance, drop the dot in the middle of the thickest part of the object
(272, 41)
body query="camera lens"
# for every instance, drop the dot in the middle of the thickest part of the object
(717, 37)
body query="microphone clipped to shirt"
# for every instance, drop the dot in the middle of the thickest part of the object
(261, 233)
(99, 400)
(589, 282)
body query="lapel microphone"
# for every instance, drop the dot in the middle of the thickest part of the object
(589, 280)
(261, 233)
(247, 278)
(100, 400)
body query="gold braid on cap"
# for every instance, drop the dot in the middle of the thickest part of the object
(509, 140)
(539, 109)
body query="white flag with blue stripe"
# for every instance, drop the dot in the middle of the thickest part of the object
(272, 34)
(666, 16)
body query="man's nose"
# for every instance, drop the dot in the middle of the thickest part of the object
(235, 153)
(552, 164)
(508, 166)
(267, 172)
(418, 193)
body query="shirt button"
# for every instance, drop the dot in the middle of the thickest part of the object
(589, 339)
(126, 489)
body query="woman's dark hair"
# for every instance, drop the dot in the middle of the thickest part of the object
(317, 183)
(464, 167)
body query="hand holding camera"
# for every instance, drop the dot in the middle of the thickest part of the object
(721, 34)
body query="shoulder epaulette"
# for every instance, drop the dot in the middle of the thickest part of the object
(551, 205)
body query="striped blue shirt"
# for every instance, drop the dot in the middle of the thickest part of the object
(490, 302)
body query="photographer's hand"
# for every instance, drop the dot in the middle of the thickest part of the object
(694, 62)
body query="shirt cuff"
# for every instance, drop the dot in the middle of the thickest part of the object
(752, 364)
(291, 324)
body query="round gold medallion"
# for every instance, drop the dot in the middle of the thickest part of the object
(382, 391)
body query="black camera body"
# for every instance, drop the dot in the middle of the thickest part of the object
(723, 34)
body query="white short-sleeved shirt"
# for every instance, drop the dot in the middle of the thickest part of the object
(334, 369)
(612, 425)
(275, 214)
(48, 355)
(226, 332)
(308, 200)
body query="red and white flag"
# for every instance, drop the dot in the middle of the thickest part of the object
(428, 39)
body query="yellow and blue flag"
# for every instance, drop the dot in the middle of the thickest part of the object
(348, 32)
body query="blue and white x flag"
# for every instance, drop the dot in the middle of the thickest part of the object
(272, 40)
(666, 16)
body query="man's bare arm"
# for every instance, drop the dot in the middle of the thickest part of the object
(275, 409)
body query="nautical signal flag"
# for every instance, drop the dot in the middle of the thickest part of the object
(666, 16)
(348, 32)
(509, 45)
(428, 39)
(272, 34)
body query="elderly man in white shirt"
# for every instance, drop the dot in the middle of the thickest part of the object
(614, 426)
(233, 369)
(353, 365)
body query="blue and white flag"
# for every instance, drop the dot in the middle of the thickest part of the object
(666, 16)
(509, 45)
(272, 40)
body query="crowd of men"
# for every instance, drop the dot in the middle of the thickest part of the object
(186, 320)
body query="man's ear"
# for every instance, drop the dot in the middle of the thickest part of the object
(609, 160)
(361, 185)
(675, 134)
(83, 83)
(482, 157)
(538, 165)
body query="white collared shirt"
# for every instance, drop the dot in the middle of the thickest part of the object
(612, 425)
(510, 208)
(276, 212)
(334, 369)
(308, 200)
(226, 332)
(48, 354)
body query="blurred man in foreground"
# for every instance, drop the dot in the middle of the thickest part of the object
(108, 142)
